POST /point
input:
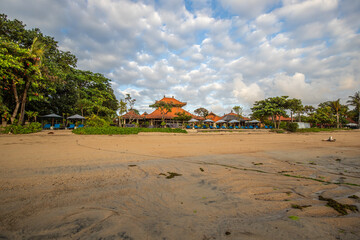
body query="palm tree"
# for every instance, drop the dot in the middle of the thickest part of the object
(335, 105)
(37, 52)
(355, 101)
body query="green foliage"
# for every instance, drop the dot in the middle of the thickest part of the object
(33, 68)
(305, 130)
(203, 112)
(23, 129)
(182, 116)
(163, 107)
(292, 127)
(238, 110)
(96, 121)
(270, 107)
(118, 130)
(355, 102)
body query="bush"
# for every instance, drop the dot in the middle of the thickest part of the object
(23, 129)
(292, 127)
(96, 121)
(118, 130)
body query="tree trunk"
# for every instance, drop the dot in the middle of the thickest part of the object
(23, 102)
(274, 120)
(17, 103)
(291, 113)
(337, 120)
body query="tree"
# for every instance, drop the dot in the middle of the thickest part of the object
(238, 110)
(163, 107)
(37, 52)
(295, 106)
(202, 112)
(122, 110)
(130, 101)
(20, 69)
(182, 116)
(355, 102)
(335, 105)
(322, 115)
(271, 107)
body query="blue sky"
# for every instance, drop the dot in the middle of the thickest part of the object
(212, 54)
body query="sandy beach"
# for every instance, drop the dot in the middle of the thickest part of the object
(231, 185)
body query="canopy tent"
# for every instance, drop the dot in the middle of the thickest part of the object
(253, 121)
(234, 121)
(209, 120)
(76, 117)
(221, 121)
(52, 116)
(193, 120)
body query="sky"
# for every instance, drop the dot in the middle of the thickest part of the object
(208, 53)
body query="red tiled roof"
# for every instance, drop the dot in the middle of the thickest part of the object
(170, 115)
(172, 100)
(282, 118)
(144, 115)
(213, 116)
(131, 114)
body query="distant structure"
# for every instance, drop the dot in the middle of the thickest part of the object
(156, 116)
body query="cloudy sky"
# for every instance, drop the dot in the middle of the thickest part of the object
(208, 53)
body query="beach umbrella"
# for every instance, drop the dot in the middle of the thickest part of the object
(221, 121)
(52, 116)
(254, 121)
(234, 121)
(209, 120)
(76, 117)
(193, 120)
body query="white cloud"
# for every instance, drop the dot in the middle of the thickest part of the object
(216, 58)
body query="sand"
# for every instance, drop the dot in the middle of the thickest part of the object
(178, 186)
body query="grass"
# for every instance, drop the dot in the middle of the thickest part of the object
(122, 131)
(301, 207)
(305, 130)
(340, 208)
(295, 218)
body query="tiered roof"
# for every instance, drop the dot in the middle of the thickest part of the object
(231, 116)
(172, 101)
(131, 115)
(213, 116)
(170, 115)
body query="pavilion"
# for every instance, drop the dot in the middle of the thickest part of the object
(157, 116)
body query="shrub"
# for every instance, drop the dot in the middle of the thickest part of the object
(118, 130)
(23, 129)
(96, 121)
(292, 127)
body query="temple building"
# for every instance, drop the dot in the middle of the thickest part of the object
(156, 117)
(213, 116)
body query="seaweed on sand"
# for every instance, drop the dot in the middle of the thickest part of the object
(340, 208)
(301, 207)
(354, 197)
(170, 175)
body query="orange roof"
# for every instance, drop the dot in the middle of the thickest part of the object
(170, 115)
(282, 118)
(144, 115)
(172, 100)
(213, 116)
(234, 114)
(131, 114)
